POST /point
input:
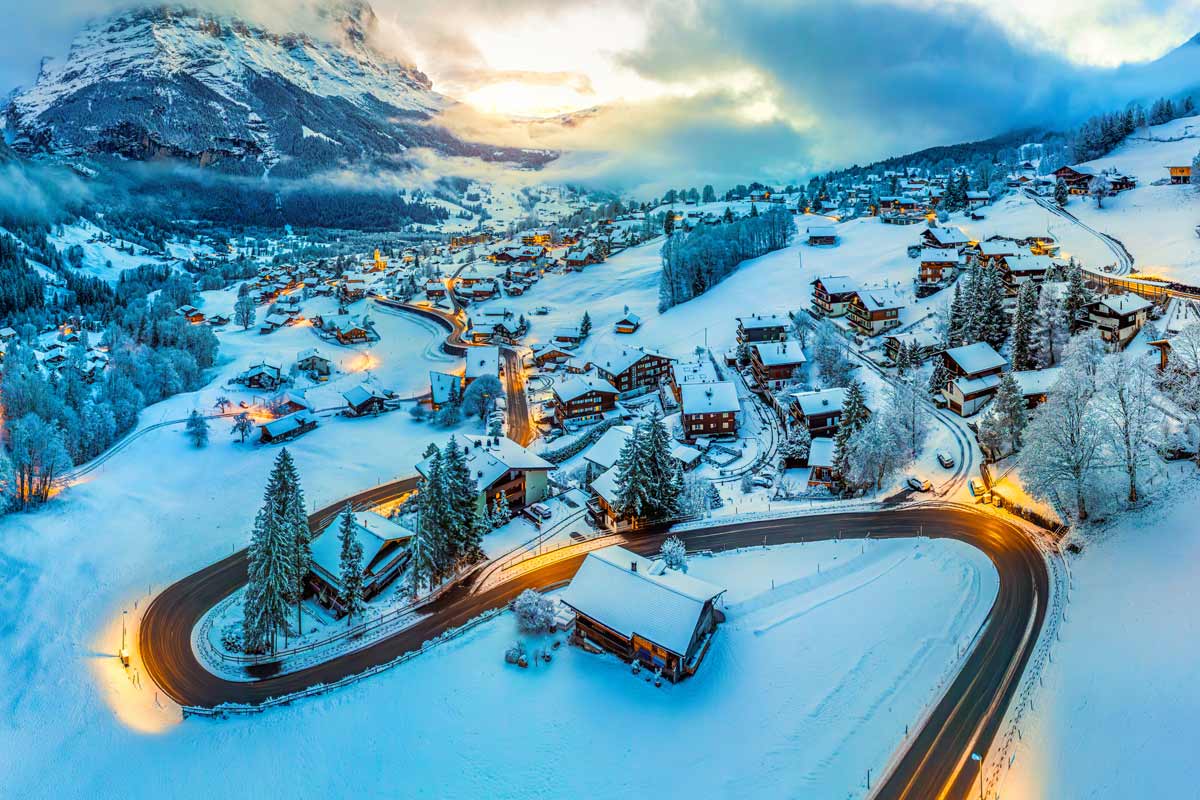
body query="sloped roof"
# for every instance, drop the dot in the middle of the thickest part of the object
(978, 357)
(663, 608)
(372, 531)
(483, 361)
(820, 452)
(838, 284)
(709, 398)
(573, 386)
(779, 353)
(822, 401)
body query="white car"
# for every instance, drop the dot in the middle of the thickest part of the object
(918, 484)
(541, 511)
(945, 459)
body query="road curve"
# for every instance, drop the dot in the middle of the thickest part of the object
(936, 764)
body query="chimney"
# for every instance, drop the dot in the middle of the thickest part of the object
(633, 566)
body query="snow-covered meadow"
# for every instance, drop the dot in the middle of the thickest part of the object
(829, 651)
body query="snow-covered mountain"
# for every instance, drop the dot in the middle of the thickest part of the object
(215, 90)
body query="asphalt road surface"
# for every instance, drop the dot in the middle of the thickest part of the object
(937, 763)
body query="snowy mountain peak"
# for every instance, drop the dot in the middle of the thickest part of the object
(217, 90)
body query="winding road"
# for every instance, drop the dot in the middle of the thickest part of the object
(1124, 262)
(936, 763)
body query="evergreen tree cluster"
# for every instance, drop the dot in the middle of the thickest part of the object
(694, 262)
(977, 309)
(649, 478)
(448, 525)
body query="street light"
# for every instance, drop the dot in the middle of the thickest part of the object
(979, 759)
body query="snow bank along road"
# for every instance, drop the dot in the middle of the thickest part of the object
(937, 762)
(1124, 263)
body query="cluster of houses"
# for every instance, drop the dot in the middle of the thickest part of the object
(63, 352)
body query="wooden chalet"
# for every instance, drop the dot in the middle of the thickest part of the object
(923, 343)
(1035, 384)
(549, 353)
(974, 376)
(641, 611)
(774, 364)
(504, 469)
(384, 544)
(435, 290)
(1119, 317)
(938, 264)
(709, 409)
(365, 400)
(873, 311)
(633, 368)
(762, 328)
(582, 398)
(832, 295)
(628, 324)
(1181, 174)
(820, 462)
(820, 411)
(444, 387)
(286, 428)
(821, 235)
(313, 363)
(1021, 268)
(261, 376)
(1076, 178)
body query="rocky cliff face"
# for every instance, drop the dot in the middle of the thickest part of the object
(171, 82)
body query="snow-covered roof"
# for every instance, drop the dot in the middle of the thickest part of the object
(838, 284)
(822, 401)
(775, 354)
(709, 398)
(764, 321)
(1025, 262)
(821, 230)
(1124, 303)
(701, 370)
(975, 385)
(998, 247)
(617, 362)
(572, 386)
(607, 449)
(663, 608)
(820, 452)
(939, 255)
(978, 357)
(372, 531)
(483, 361)
(1036, 381)
(360, 394)
(441, 384)
(490, 457)
(311, 352)
(947, 237)
(881, 299)
(284, 425)
(924, 339)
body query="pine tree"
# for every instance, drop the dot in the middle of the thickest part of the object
(938, 378)
(271, 566)
(1061, 194)
(634, 494)
(1078, 296)
(502, 512)
(462, 529)
(294, 520)
(993, 321)
(585, 325)
(350, 566)
(958, 318)
(1023, 351)
(197, 429)
(1051, 329)
(853, 418)
(1009, 407)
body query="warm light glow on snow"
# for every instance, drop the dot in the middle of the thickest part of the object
(129, 692)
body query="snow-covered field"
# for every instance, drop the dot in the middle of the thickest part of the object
(828, 652)
(1116, 716)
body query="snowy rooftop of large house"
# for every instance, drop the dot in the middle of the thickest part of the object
(607, 449)
(483, 361)
(572, 386)
(1035, 382)
(998, 247)
(311, 352)
(820, 452)
(709, 398)
(838, 284)
(978, 357)
(1124, 303)
(881, 299)
(947, 237)
(822, 401)
(1026, 262)
(940, 255)
(284, 425)
(821, 230)
(489, 457)
(618, 362)
(763, 321)
(360, 394)
(775, 354)
(372, 532)
(924, 339)
(663, 606)
(701, 370)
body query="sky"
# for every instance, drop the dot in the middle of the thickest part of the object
(777, 86)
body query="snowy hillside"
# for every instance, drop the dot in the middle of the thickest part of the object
(215, 89)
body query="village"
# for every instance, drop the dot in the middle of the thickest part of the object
(619, 448)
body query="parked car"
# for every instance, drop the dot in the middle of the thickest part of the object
(762, 480)
(918, 484)
(541, 511)
(945, 459)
